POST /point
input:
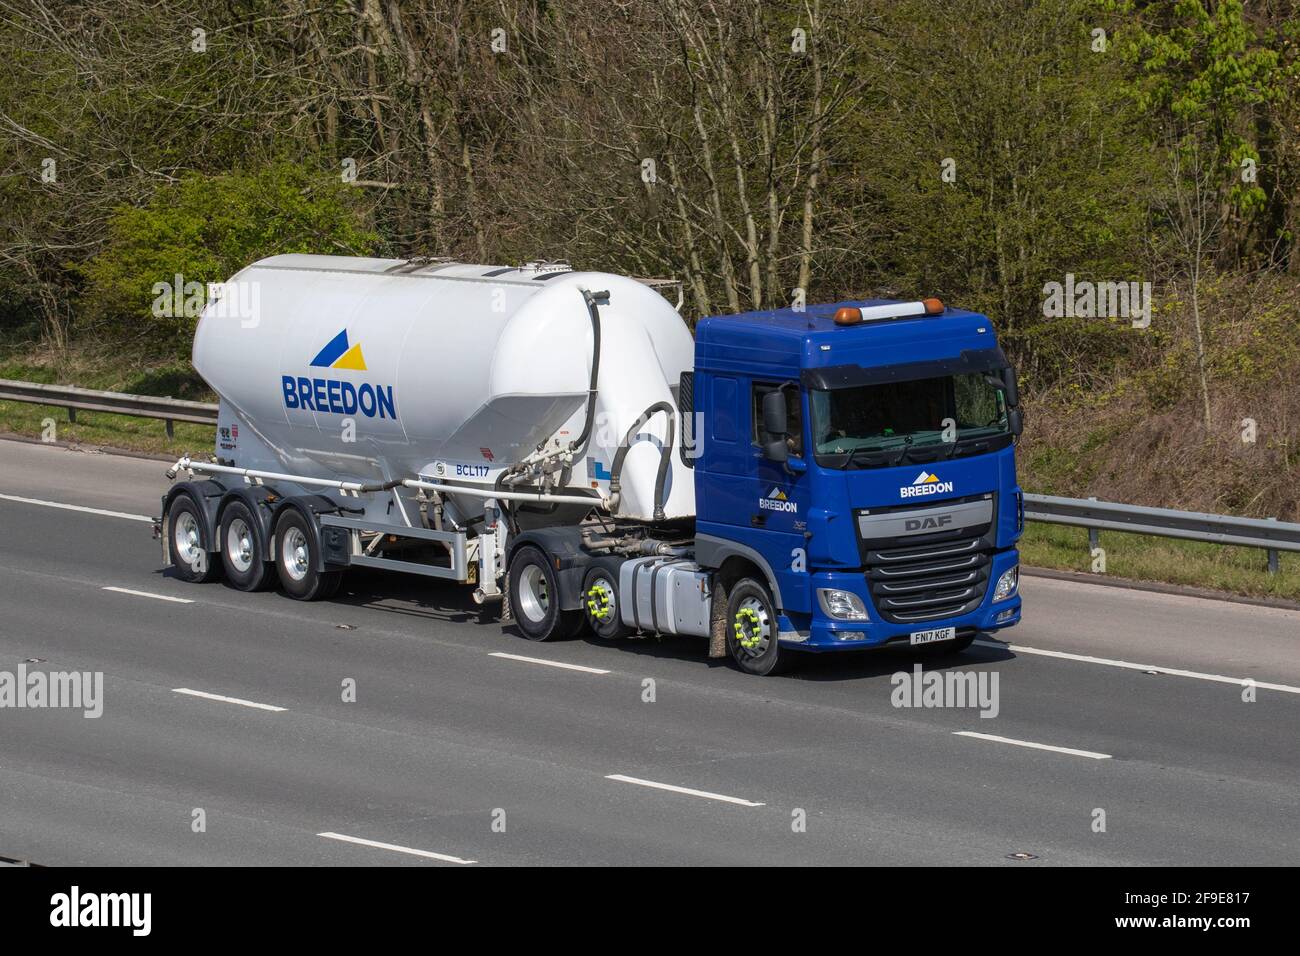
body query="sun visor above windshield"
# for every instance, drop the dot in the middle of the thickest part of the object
(850, 376)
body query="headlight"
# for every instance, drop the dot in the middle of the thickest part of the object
(1007, 584)
(841, 605)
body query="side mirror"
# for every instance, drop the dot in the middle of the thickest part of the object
(774, 424)
(775, 415)
(1015, 420)
(1013, 389)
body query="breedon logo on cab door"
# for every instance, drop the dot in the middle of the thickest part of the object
(925, 484)
(777, 500)
(339, 396)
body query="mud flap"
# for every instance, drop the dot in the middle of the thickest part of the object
(718, 621)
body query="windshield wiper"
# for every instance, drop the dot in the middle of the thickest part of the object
(979, 444)
(874, 457)
(902, 454)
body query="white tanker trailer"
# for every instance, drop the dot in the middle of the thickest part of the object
(518, 429)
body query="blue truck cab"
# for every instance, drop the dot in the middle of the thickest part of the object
(858, 459)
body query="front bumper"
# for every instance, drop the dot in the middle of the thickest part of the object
(821, 633)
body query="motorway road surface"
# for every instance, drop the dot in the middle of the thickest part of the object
(455, 751)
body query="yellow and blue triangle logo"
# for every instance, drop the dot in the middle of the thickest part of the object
(338, 354)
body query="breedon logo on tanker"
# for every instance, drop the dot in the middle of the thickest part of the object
(338, 396)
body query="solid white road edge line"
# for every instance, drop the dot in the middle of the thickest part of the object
(1028, 743)
(89, 511)
(539, 660)
(1171, 671)
(686, 790)
(428, 854)
(227, 700)
(156, 597)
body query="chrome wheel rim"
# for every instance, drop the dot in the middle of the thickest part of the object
(239, 545)
(293, 554)
(185, 538)
(602, 605)
(752, 627)
(534, 599)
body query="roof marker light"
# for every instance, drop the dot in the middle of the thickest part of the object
(850, 315)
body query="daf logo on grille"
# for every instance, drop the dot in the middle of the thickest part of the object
(918, 521)
(929, 523)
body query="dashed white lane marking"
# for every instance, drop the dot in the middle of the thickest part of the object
(427, 854)
(539, 660)
(147, 594)
(227, 700)
(82, 508)
(686, 790)
(1092, 754)
(1171, 671)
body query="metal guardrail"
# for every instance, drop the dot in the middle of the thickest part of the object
(170, 410)
(1271, 535)
(1267, 533)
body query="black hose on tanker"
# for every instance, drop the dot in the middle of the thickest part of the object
(665, 456)
(579, 445)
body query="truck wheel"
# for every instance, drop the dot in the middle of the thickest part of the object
(296, 557)
(752, 629)
(190, 558)
(600, 600)
(242, 548)
(535, 598)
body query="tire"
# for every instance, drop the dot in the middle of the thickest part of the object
(242, 548)
(535, 598)
(296, 557)
(752, 629)
(600, 603)
(188, 547)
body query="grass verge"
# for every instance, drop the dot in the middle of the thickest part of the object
(100, 369)
(1144, 557)
(125, 432)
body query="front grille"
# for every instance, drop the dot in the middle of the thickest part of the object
(916, 578)
(926, 582)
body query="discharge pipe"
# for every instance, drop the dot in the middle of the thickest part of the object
(579, 445)
(665, 456)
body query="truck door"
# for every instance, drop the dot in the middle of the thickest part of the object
(778, 496)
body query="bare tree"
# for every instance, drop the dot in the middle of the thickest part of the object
(1195, 217)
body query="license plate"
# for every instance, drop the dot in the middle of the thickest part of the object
(938, 634)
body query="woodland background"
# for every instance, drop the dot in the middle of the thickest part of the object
(751, 148)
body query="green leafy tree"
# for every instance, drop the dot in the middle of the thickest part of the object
(1000, 155)
(205, 229)
(1203, 73)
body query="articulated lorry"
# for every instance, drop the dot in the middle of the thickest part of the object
(829, 478)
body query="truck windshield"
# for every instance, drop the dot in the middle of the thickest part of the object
(871, 426)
